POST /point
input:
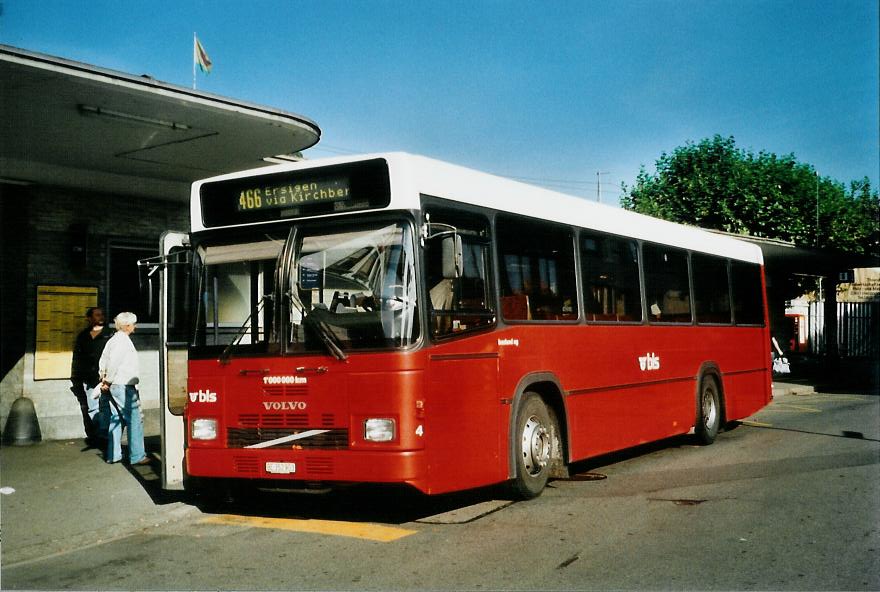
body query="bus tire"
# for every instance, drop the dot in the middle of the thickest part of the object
(708, 411)
(534, 444)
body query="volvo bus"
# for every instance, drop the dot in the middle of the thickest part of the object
(391, 318)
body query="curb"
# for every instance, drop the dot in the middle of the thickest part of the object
(782, 389)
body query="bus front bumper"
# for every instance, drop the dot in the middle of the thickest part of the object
(325, 466)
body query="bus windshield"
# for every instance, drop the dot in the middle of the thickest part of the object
(353, 289)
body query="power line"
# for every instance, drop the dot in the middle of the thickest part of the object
(599, 185)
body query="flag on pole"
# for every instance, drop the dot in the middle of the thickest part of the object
(200, 57)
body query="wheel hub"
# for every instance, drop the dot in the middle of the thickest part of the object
(535, 446)
(709, 410)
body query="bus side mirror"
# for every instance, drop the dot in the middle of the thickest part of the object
(148, 284)
(453, 256)
(148, 275)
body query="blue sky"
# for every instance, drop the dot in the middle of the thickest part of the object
(549, 92)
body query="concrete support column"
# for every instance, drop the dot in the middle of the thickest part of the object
(831, 317)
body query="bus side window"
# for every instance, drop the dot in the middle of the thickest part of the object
(748, 301)
(538, 281)
(459, 301)
(611, 278)
(711, 289)
(666, 284)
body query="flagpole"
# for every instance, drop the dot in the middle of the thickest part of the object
(194, 60)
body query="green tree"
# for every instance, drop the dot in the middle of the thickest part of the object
(713, 184)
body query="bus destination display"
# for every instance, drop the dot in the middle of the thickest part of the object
(288, 195)
(284, 195)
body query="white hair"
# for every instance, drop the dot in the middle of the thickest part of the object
(125, 318)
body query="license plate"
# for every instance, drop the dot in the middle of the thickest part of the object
(281, 468)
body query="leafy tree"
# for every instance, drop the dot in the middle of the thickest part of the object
(714, 184)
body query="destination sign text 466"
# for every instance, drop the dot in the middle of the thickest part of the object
(292, 194)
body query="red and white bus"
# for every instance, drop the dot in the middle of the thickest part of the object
(394, 319)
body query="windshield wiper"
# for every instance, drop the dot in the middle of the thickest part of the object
(224, 357)
(327, 338)
(324, 332)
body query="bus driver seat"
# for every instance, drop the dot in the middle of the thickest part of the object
(443, 293)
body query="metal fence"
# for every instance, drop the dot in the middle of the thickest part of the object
(858, 328)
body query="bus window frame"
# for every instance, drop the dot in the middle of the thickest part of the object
(582, 285)
(727, 266)
(763, 292)
(299, 227)
(498, 255)
(432, 204)
(690, 278)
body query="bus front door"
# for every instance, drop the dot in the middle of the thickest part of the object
(174, 295)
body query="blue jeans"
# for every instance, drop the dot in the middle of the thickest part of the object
(94, 422)
(128, 400)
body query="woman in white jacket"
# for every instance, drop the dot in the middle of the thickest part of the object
(119, 371)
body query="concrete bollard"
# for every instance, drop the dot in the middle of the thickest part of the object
(22, 427)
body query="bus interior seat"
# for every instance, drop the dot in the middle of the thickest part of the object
(516, 307)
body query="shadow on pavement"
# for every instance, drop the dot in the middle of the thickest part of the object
(149, 476)
(356, 503)
(830, 375)
(392, 504)
(591, 465)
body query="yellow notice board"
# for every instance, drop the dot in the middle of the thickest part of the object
(61, 314)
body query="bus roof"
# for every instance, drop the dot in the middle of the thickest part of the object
(413, 176)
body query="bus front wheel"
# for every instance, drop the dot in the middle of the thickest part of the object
(708, 411)
(534, 445)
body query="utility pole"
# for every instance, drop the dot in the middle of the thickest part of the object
(817, 210)
(599, 185)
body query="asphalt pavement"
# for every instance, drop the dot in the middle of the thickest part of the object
(47, 489)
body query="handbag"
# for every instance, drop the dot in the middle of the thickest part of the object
(112, 400)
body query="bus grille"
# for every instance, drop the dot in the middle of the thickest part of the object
(284, 420)
(319, 466)
(246, 464)
(329, 440)
(286, 390)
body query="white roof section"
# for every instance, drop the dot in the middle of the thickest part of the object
(413, 176)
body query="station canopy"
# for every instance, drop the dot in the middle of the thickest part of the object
(69, 124)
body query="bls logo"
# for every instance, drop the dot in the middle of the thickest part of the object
(649, 362)
(203, 396)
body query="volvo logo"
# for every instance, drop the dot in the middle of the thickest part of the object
(285, 405)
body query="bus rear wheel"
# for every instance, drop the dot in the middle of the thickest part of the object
(708, 411)
(534, 444)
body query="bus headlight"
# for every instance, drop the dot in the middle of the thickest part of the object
(379, 429)
(204, 429)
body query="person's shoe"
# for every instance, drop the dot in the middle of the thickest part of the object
(113, 462)
(143, 461)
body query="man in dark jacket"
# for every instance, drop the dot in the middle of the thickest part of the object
(84, 372)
